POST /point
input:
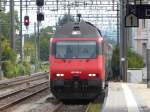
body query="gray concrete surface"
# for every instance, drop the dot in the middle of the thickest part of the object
(127, 97)
(115, 101)
(142, 96)
(135, 76)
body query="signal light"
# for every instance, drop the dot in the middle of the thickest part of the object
(40, 16)
(40, 2)
(26, 20)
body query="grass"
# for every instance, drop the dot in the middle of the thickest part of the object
(94, 107)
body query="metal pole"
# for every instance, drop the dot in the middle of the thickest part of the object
(125, 39)
(148, 67)
(121, 35)
(0, 5)
(21, 37)
(38, 46)
(68, 17)
(123, 42)
(12, 25)
(0, 35)
(1, 74)
(118, 24)
(38, 41)
(125, 53)
(35, 47)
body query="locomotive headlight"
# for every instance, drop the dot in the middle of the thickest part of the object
(62, 75)
(59, 75)
(92, 75)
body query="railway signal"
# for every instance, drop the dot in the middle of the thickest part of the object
(40, 16)
(40, 2)
(79, 16)
(26, 20)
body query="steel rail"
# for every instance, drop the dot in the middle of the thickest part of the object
(22, 80)
(18, 90)
(28, 92)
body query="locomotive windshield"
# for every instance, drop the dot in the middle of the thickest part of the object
(75, 49)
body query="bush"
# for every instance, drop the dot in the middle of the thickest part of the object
(7, 52)
(135, 60)
(8, 69)
(20, 69)
(27, 67)
(8, 57)
(33, 60)
(44, 66)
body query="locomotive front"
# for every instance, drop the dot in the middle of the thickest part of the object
(76, 62)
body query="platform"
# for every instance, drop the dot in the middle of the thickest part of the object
(127, 97)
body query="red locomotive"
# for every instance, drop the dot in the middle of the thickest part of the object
(79, 61)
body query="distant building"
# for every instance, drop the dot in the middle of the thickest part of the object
(140, 37)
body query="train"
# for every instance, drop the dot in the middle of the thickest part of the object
(79, 60)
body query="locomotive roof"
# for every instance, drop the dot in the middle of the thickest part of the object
(81, 29)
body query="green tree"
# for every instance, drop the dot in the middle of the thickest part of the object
(115, 63)
(29, 50)
(5, 23)
(44, 43)
(45, 35)
(7, 52)
(115, 58)
(8, 56)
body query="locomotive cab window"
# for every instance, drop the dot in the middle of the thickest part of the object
(76, 49)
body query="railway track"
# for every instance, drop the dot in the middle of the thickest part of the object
(23, 79)
(93, 106)
(70, 108)
(19, 95)
(58, 107)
